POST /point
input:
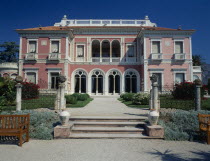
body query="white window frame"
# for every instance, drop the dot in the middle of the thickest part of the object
(175, 71)
(59, 47)
(31, 70)
(179, 40)
(80, 44)
(151, 42)
(134, 46)
(52, 70)
(28, 40)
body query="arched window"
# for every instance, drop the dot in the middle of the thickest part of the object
(114, 82)
(130, 82)
(115, 48)
(80, 82)
(95, 48)
(105, 48)
(97, 82)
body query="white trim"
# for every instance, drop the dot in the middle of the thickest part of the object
(179, 40)
(31, 70)
(59, 47)
(28, 40)
(180, 72)
(151, 41)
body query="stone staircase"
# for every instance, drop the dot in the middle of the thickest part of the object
(87, 127)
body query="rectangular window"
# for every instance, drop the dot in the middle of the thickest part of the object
(32, 46)
(130, 51)
(54, 80)
(179, 47)
(31, 77)
(80, 50)
(155, 46)
(55, 46)
(180, 77)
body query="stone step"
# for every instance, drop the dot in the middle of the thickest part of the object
(108, 124)
(108, 119)
(107, 130)
(109, 136)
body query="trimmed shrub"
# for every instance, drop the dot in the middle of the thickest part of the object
(41, 123)
(76, 95)
(82, 97)
(181, 125)
(141, 99)
(186, 90)
(30, 90)
(127, 96)
(71, 99)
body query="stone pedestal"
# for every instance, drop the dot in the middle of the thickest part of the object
(155, 131)
(62, 131)
(18, 96)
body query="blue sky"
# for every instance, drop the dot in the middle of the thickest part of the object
(190, 14)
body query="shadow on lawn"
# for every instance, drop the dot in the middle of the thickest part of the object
(168, 155)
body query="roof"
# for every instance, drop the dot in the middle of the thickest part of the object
(66, 28)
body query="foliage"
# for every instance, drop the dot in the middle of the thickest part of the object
(71, 99)
(197, 60)
(41, 123)
(130, 104)
(30, 90)
(81, 97)
(141, 99)
(208, 86)
(7, 91)
(9, 52)
(127, 96)
(80, 103)
(186, 90)
(181, 125)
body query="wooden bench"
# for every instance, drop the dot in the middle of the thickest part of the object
(15, 125)
(204, 125)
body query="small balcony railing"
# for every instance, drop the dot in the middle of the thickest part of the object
(105, 59)
(197, 69)
(156, 56)
(31, 56)
(179, 57)
(54, 56)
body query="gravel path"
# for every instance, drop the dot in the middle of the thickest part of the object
(107, 107)
(106, 150)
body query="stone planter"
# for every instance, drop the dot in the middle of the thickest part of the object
(64, 117)
(153, 117)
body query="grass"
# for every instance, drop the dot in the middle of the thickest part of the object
(169, 102)
(130, 104)
(79, 103)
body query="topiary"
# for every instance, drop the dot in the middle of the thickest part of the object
(71, 99)
(127, 96)
(76, 95)
(141, 99)
(82, 97)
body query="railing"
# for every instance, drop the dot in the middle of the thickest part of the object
(156, 56)
(31, 56)
(105, 59)
(54, 56)
(196, 68)
(179, 56)
(116, 59)
(8, 65)
(80, 59)
(95, 59)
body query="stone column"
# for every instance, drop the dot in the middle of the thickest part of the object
(198, 86)
(18, 86)
(154, 94)
(62, 96)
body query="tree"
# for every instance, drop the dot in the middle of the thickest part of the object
(197, 60)
(9, 52)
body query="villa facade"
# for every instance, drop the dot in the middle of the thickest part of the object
(106, 57)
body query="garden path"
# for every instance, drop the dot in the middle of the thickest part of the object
(107, 107)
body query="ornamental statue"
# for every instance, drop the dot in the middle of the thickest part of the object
(61, 79)
(153, 78)
(19, 79)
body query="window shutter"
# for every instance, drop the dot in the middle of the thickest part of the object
(156, 47)
(32, 46)
(55, 46)
(80, 51)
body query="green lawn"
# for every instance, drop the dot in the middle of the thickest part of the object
(79, 103)
(169, 102)
(129, 104)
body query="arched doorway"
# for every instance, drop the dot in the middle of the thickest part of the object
(114, 82)
(131, 82)
(80, 82)
(97, 82)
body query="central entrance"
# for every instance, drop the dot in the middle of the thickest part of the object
(114, 82)
(97, 80)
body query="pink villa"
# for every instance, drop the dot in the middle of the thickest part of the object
(106, 56)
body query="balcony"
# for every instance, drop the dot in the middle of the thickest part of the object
(156, 57)
(31, 57)
(179, 57)
(8, 65)
(54, 56)
(105, 59)
(197, 69)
